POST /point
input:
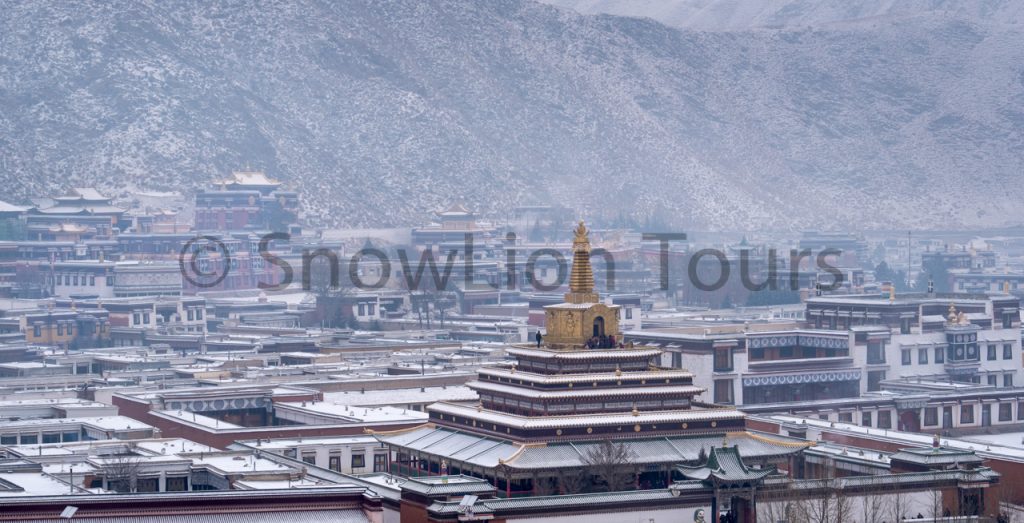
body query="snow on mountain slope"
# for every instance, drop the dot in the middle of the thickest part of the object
(739, 15)
(381, 112)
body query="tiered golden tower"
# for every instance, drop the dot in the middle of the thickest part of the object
(582, 317)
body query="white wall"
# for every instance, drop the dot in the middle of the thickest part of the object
(678, 515)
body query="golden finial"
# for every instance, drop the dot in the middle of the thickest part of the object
(1006, 287)
(951, 316)
(892, 293)
(636, 411)
(618, 371)
(961, 318)
(513, 370)
(581, 232)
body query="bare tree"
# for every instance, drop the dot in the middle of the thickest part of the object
(772, 503)
(897, 504)
(545, 487)
(121, 472)
(830, 504)
(872, 503)
(572, 481)
(935, 503)
(612, 464)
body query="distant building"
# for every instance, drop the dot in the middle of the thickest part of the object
(82, 214)
(248, 200)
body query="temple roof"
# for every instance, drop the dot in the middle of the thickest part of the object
(585, 420)
(646, 390)
(489, 452)
(583, 354)
(937, 456)
(548, 379)
(253, 178)
(724, 465)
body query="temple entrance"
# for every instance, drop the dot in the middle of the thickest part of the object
(910, 421)
(599, 326)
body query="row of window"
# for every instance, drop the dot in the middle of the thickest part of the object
(1004, 412)
(906, 355)
(85, 280)
(358, 461)
(33, 439)
(62, 328)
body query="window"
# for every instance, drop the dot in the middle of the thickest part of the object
(190, 315)
(60, 329)
(37, 331)
(865, 419)
(71, 329)
(358, 461)
(74, 279)
(876, 353)
(940, 355)
(1007, 351)
(966, 414)
(199, 314)
(309, 457)
(1007, 380)
(931, 416)
(723, 391)
(110, 281)
(846, 417)
(69, 437)
(991, 352)
(1020, 410)
(92, 280)
(629, 313)
(757, 354)
(145, 318)
(922, 356)
(992, 380)
(177, 484)
(875, 378)
(885, 419)
(51, 437)
(9, 439)
(905, 357)
(334, 463)
(1005, 411)
(723, 360)
(136, 318)
(380, 462)
(29, 439)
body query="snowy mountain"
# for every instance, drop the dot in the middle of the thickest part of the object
(379, 112)
(739, 15)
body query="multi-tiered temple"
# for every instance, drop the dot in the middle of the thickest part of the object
(547, 413)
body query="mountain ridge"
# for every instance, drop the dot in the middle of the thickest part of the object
(380, 113)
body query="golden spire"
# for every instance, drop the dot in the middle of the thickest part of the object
(581, 279)
(951, 316)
